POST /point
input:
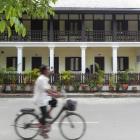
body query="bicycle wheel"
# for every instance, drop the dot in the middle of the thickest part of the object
(72, 126)
(26, 126)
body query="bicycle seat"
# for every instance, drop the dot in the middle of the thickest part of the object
(27, 110)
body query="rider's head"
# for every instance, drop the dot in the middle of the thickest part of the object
(44, 70)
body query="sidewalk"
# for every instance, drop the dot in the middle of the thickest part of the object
(97, 94)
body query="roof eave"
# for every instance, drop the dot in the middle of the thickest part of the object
(96, 10)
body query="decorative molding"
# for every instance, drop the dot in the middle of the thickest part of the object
(69, 44)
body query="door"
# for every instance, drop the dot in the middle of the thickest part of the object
(36, 62)
(36, 30)
(100, 62)
(98, 30)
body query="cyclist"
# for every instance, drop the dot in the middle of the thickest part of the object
(42, 91)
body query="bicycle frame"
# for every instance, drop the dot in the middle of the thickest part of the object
(58, 115)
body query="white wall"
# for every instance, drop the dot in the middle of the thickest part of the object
(28, 53)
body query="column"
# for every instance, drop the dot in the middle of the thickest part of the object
(51, 48)
(83, 60)
(114, 55)
(19, 59)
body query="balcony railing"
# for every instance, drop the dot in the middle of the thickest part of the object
(67, 36)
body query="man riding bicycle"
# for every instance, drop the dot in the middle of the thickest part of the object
(42, 91)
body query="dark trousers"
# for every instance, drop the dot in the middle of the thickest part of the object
(44, 113)
(43, 110)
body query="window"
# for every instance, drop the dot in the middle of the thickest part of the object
(88, 16)
(73, 63)
(122, 25)
(73, 25)
(123, 63)
(12, 62)
(98, 17)
(74, 16)
(108, 17)
(138, 59)
(63, 16)
(131, 17)
(36, 30)
(119, 17)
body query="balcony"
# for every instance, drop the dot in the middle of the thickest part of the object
(67, 36)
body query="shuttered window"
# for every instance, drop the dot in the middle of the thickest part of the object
(123, 63)
(73, 25)
(73, 63)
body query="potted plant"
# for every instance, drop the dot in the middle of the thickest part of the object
(34, 74)
(112, 83)
(84, 87)
(58, 85)
(99, 78)
(8, 80)
(92, 85)
(29, 78)
(118, 87)
(66, 78)
(1, 79)
(1, 83)
(13, 80)
(27, 81)
(76, 85)
(124, 78)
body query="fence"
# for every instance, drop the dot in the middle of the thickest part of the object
(14, 78)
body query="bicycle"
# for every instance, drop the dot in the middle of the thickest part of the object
(28, 121)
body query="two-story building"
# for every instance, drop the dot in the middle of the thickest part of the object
(81, 34)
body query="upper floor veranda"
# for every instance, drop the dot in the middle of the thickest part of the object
(81, 26)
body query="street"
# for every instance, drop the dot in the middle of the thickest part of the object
(107, 118)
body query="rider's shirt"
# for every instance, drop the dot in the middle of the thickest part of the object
(41, 86)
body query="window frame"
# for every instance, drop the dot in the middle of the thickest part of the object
(68, 64)
(124, 59)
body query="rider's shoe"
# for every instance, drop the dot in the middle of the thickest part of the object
(44, 131)
(44, 134)
(48, 128)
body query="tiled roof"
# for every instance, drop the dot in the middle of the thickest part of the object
(97, 4)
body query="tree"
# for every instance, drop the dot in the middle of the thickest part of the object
(11, 11)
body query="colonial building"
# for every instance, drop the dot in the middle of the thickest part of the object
(81, 33)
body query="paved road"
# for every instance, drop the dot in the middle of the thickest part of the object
(107, 119)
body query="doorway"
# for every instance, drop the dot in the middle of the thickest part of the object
(100, 62)
(36, 62)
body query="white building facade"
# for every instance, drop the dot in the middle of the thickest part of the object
(80, 35)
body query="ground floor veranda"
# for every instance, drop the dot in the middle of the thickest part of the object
(60, 56)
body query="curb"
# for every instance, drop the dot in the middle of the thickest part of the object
(75, 95)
